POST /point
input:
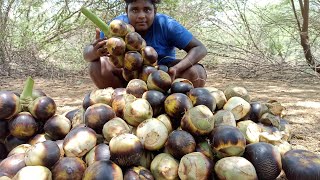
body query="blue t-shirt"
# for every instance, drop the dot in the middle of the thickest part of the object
(164, 35)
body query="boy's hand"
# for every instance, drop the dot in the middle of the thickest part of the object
(98, 45)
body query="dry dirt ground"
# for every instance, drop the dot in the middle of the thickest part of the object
(300, 97)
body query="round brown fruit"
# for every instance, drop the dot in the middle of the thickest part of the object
(133, 61)
(46, 154)
(149, 55)
(12, 142)
(227, 141)
(23, 126)
(138, 172)
(97, 115)
(137, 111)
(159, 80)
(257, 110)
(118, 28)
(103, 170)
(177, 104)
(134, 41)
(156, 100)
(12, 164)
(180, 143)
(301, 164)
(146, 71)
(181, 85)
(128, 74)
(57, 127)
(198, 120)
(235, 168)
(116, 46)
(126, 149)
(264, 156)
(117, 61)
(42, 108)
(120, 102)
(33, 172)
(136, 87)
(79, 141)
(195, 165)
(101, 152)
(9, 105)
(164, 166)
(238, 91)
(114, 127)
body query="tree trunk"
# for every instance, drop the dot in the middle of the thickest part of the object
(304, 37)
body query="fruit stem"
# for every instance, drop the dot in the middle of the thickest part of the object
(96, 20)
(26, 95)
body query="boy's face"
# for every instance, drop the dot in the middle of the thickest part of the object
(141, 14)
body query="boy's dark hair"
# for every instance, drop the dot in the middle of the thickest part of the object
(154, 2)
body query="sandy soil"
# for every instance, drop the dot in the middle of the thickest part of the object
(301, 98)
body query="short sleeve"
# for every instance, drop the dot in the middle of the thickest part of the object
(178, 35)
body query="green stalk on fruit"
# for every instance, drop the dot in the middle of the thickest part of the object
(96, 20)
(26, 95)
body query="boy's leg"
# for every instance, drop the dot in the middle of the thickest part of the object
(104, 74)
(196, 73)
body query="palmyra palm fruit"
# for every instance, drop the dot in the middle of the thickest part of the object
(201, 96)
(136, 87)
(224, 117)
(23, 125)
(165, 119)
(250, 130)
(42, 108)
(134, 41)
(159, 80)
(238, 106)
(11, 142)
(116, 46)
(227, 141)
(181, 85)
(164, 166)
(177, 104)
(198, 120)
(239, 91)
(103, 170)
(128, 74)
(218, 96)
(180, 143)
(119, 103)
(133, 61)
(235, 168)
(204, 147)
(57, 127)
(152, 133)
(114, 127)
(69, 168)
(156, 100)
(33, 172)
(117, 92)
(9, 105)
(118, 28)
(22, 148)
(98, 96)
(137, 111)
(149, 55)
(79, 141)
(46, 154)
(145, 72)
(97, 115)
(39, 138)
(117, 61)
(4, 129)
(100, 152)
(138, 172)
(257, 110)
(12, 164)
(301, 164)
(195, 165)
(264, 156)
(126, 149)
(37, 93)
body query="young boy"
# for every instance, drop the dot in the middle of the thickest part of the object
(161, 32)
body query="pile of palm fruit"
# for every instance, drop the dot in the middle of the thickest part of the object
(154, 128)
